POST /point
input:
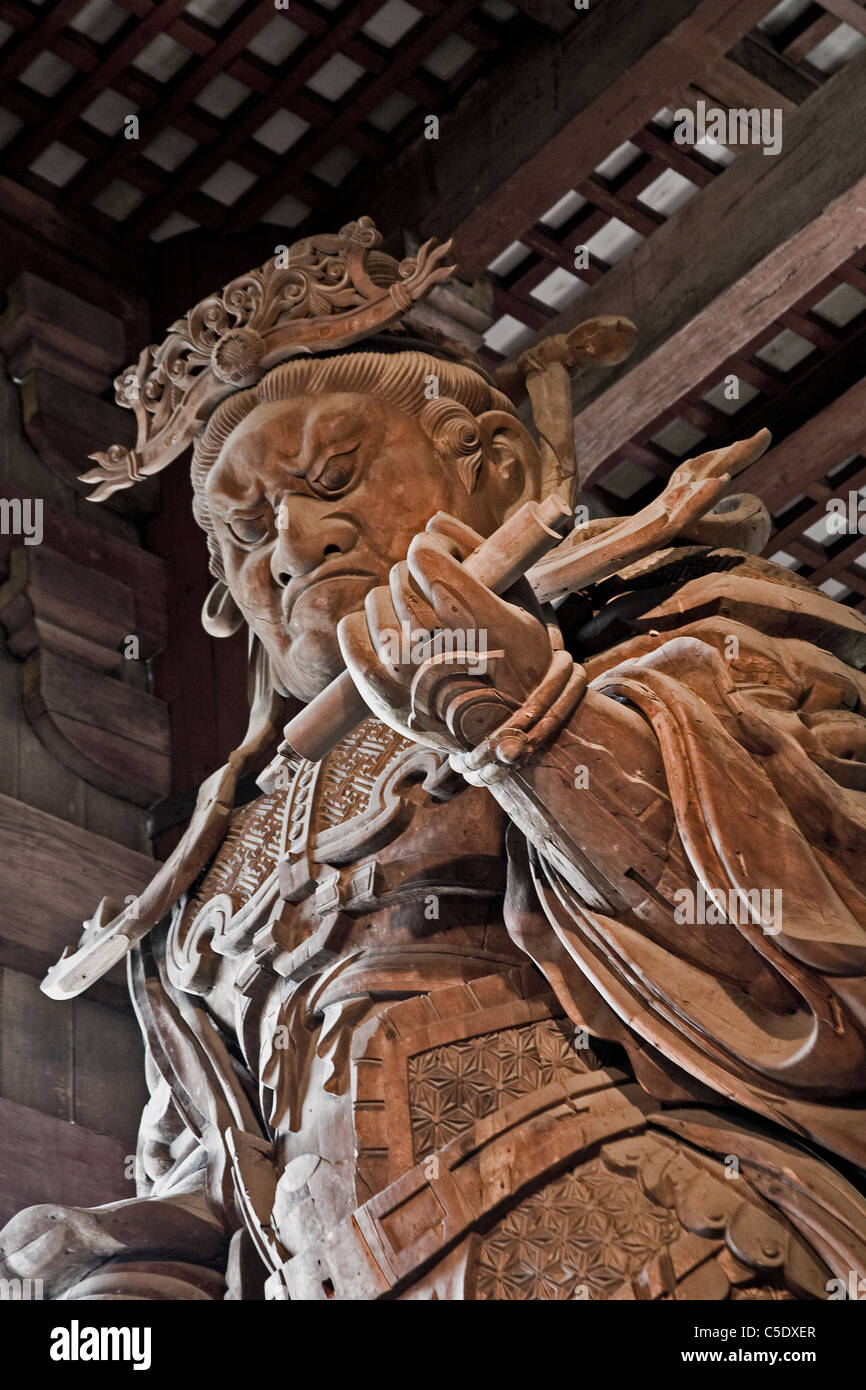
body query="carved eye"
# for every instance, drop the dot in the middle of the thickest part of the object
(249, 530)
(336, 473)
(335, 476)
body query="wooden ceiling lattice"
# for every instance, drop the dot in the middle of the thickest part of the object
(546, 277)
(775, 66)
(270, 115)
(302, 118)
(801, 364)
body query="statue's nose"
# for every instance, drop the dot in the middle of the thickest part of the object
(305, 539)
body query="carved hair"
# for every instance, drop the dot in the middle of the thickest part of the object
(400, 378)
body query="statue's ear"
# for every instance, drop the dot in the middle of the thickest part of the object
(512, 451)
(220, 615)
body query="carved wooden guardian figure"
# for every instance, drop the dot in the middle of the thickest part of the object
(546, 978)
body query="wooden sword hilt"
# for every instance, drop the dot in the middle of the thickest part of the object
(498, 562)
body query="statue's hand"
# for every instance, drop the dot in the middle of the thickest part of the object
(436, 642)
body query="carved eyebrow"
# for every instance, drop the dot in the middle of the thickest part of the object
(330, 432)
(330, 442)
(225, 495)
(334, 448)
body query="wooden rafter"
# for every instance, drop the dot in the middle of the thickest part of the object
(39, 36)
(775, 228)
(80, 91)
(513, 151)
(224, 50)
(849, 12)
(404, 58)
(181, 95)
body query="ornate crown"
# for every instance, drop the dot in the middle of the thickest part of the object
(323, 293)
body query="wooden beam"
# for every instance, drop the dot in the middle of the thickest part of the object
(729, 265)
(556, 15)
(835, 564)
(43, 238)
(726, 84)
(403, 61)
(849, 12)
(822, 442)
(16, 57)
(540, 125)
(755, 52)
(791, 530)
(809, 37)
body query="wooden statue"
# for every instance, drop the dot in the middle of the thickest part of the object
(538, 970)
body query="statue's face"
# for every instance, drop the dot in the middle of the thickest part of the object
(313, 500)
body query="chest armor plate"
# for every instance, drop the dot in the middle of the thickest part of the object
(380, 833)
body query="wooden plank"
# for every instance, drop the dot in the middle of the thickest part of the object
(52, 876)
(108, 1099)
(810, 36)
(540, 125)
(117, 820)
(86, 342)
(729, 85)
(36, 1047)
(121, 283)
(49, 600)
(143, 573)
(777, 226)
(43, 782)
(106, 732)
(77, 692)
(43, 1159)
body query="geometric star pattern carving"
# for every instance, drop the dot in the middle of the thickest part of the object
(580, 1236)
(453, 1086)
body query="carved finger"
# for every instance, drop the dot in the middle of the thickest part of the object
(409, 606)
(731, 460)
(465, 539)
(432, 565)
(463, 603)
(385, 696)
(385, 631)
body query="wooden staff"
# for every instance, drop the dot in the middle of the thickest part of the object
(498, 562)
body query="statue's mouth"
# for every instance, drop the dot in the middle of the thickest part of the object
(324, 574)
